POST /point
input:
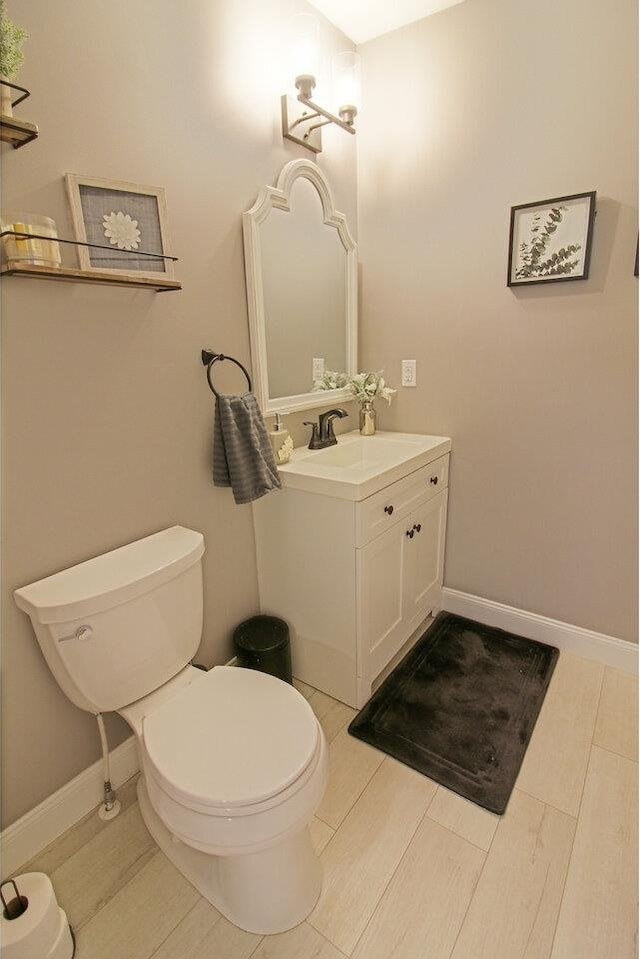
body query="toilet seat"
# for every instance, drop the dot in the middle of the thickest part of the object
(232, 742)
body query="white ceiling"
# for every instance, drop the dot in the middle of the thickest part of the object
(363, 20)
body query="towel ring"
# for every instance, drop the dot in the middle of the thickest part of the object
(209, 358)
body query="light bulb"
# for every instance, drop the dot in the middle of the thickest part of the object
(305, 46)
(346, 85)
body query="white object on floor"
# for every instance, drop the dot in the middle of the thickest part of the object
(42, 930)
(108, 814)
(234, 762)
(351, 554)
(263, 892)
(30, 834)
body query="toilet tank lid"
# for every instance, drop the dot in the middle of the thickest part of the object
(112, 578)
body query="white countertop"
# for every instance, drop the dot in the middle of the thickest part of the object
(359, 466)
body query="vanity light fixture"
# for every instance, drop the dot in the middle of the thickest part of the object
(346, 85)
(302, 117)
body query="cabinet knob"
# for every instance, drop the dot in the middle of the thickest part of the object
(418, 527)
(434, 480)
(411, 533)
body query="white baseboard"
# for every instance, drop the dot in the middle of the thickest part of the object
(609, 650)
(28, 836)
(33, 832)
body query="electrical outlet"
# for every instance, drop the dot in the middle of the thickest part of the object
(318, 368)
(409, 376)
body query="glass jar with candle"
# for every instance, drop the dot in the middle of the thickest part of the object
(37, 246)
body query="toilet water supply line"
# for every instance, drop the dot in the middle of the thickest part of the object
(110, 806)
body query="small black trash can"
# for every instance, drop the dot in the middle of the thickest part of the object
(262, 643)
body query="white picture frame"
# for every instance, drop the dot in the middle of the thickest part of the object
(124, 218)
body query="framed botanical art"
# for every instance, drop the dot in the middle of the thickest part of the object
(550, 241)
(125, 223)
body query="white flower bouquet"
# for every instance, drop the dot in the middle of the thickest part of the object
(331, 380)
(366, 386)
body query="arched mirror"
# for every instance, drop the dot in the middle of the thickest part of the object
(301, 271)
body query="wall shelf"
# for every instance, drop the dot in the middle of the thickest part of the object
(160, 285)
(17, 132)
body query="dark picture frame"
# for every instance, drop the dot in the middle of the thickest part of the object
(536, 260)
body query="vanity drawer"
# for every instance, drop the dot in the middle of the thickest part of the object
(379, 512)
(437, 476)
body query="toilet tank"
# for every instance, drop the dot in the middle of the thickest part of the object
(120, 625)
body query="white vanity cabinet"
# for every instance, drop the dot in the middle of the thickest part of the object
(351, 551)
(354, 575)
(399, 579)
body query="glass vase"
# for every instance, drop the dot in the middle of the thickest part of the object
(367, 418)
(20, 249)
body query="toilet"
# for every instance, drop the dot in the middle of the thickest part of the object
(234, 762)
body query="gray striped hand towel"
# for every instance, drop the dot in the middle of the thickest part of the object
(242, 455)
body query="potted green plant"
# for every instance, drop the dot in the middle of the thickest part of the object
(11, 56)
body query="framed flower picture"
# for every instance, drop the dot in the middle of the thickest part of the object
(124, 223)
(550, 241)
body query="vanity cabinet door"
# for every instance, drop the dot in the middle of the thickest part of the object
(425, 569)
(382, 580)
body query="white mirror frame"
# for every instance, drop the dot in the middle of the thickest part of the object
(279, 198)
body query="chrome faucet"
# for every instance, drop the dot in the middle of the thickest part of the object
(322, 434)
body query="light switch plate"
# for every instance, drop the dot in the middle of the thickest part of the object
(318, 368)
(409, 375)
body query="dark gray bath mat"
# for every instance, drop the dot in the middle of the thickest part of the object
(461, 707)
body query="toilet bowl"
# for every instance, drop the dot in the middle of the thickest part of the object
(234, 762)
(234, 766)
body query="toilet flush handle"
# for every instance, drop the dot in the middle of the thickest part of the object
(82, 633)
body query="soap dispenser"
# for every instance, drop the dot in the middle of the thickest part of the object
(281, 441)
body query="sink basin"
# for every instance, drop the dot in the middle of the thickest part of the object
(359, 466)
(362, 453)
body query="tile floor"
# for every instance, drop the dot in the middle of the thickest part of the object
(412, 871)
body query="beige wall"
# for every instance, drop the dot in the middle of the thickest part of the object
(486, 105)
(107, 418)
(107, 415)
